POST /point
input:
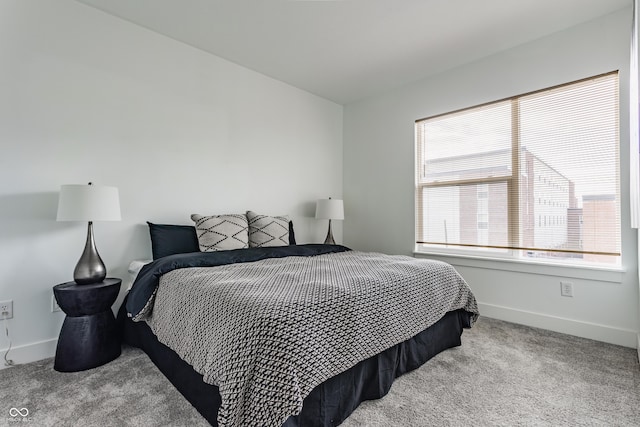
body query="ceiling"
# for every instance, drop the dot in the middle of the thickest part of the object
(346, 50)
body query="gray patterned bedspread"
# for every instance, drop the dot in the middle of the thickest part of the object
(267, 332)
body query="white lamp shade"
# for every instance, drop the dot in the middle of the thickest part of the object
(88, 203)
(329, 209)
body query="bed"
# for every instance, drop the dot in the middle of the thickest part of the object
(294, 335)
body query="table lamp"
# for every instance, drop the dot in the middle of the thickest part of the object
(329, 209)
(89, 203)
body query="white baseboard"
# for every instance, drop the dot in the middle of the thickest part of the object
(29, 352)
(594, 331)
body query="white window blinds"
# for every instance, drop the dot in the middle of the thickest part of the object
(532, 176)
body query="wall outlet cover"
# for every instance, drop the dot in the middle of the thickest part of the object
(54, 304)
(6, 309)
(566, 289)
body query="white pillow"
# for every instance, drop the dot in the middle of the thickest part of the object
(221, 232)
(134, 269)
(267, 230)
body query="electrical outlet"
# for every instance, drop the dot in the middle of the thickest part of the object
(54, 304)
(6, 309)
(566, 289)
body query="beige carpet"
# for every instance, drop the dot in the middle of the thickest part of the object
(502, 375)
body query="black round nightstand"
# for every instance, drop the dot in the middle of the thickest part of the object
(89, 336)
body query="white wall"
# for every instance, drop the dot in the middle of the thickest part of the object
(88, 97)
(636, 17)
(379, 179)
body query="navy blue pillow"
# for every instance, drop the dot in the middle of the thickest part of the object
(169, 239)
(292, 235)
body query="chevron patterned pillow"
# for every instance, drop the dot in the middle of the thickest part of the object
(267, 230)
(221, 232)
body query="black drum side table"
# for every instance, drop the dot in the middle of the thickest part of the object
(89, 336)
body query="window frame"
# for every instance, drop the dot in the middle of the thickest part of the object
(509, 252)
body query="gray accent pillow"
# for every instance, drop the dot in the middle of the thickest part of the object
(221, 232)
(267, 230)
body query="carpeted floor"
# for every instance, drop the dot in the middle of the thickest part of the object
(502, 375)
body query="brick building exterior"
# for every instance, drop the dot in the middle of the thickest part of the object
(549, 211)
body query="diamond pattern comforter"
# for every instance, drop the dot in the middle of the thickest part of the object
(267, 332)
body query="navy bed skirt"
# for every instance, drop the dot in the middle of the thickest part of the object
(331, 402)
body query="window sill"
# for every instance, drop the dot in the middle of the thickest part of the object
(585, 272)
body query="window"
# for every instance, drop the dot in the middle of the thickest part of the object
(533, 176)
(483, 214)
